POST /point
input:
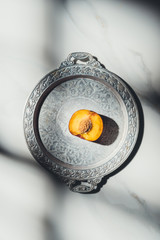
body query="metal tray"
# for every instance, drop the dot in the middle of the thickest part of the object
(80, 82)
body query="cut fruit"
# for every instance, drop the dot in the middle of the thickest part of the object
(86, 124)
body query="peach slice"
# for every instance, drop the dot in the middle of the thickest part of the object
(86, 124)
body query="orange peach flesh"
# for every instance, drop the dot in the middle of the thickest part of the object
(86, 124)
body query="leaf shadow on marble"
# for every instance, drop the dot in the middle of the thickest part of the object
(151, 4)
(153, 98)
(16, 157)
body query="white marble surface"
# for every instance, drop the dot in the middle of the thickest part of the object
(35, 36)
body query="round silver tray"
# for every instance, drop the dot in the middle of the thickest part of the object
(80, 82)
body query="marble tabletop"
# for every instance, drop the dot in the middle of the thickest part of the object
(35, 37)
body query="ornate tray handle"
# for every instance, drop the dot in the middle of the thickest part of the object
(81, 58)
(82, 186)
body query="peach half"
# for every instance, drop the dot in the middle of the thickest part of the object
(86, 124)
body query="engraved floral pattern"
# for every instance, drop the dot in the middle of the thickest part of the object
(57, 109)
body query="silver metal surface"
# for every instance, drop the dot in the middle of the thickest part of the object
(81, 82)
